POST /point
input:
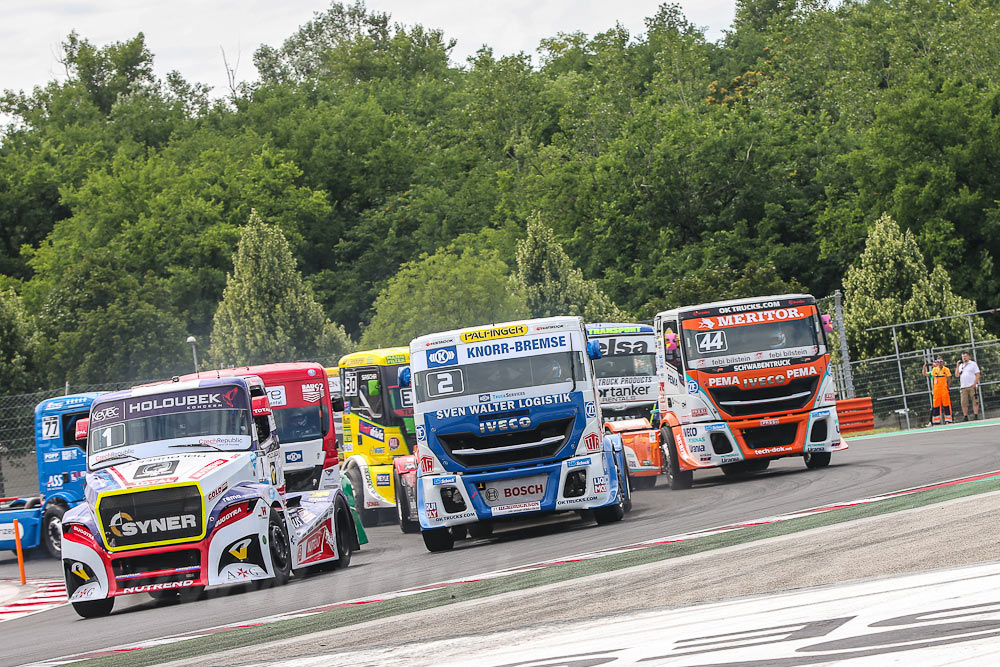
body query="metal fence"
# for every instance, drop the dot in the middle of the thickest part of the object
(901, 394)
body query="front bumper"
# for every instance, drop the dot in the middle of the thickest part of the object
(597, 472)
(713, 444)
(233, 554)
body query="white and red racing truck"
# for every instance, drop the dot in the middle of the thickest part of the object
(185, 490)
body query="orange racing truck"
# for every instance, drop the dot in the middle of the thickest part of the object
(743, 382)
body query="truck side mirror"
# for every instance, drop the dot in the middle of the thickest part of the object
(373, 388)
(594, 349)
(338, 404)
(82, 429)
(405, 376)
(261, 406)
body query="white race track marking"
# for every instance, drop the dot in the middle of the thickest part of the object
(49, 593)
(951, 616)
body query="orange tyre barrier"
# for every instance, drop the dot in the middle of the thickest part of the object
(855, 414)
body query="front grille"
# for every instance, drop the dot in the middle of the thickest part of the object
(482, 451)
(157, 568)
(794, 395)
(152, 516)
(770, 436)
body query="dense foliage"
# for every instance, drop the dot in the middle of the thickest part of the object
(669, 169)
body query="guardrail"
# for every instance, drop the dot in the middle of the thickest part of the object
(856, 414)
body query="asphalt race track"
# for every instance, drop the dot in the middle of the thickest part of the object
(392, 561)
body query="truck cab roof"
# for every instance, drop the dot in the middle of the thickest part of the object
(383, 356)
(676, 312)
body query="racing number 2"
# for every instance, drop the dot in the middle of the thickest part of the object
(441, 383)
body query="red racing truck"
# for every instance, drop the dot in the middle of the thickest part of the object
(744, 382)
(300, 399)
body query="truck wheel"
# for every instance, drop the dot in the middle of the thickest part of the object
(460, 532)
(676, 478)
(345, 542)
(94, 608)
(281, 550)
(52, 529)
(616, 512)
(406, 524)
(737, 469)
(481, 530)
(758, 465)
(817, 459)
(438, 539)
(369, 518)
(641, 483)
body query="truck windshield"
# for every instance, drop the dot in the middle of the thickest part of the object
(752, 342)
(209, 427)
(500, 375)
(299, 424)
(625, 365)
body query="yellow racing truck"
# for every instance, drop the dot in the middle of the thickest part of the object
(378, 426)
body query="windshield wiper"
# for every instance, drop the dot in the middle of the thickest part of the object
(198, 444)
(127, 457)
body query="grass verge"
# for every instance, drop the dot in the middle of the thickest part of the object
(337, 618)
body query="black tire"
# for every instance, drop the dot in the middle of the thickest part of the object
(438, 539)
(280, 548)
(369, 518)
(481, 530)
(758, 465)
(616, 512)
(738, 469)
(345, 539)
(817, 460)
(94, 608)
(677, 479)
(406, 524)
(460, 532)
(643, 483)
(52, 529)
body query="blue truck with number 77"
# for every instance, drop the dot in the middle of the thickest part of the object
(61, 463)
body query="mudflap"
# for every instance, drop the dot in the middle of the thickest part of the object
(345, 486)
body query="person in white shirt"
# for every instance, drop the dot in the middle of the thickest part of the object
(968, 372)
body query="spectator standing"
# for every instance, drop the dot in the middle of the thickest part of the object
(940, 396)
(968, 374)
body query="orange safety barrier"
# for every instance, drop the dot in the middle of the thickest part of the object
(855, 414)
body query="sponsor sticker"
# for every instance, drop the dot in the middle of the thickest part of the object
(311, 393)
(601, 484)
(443, 356)
(493, 333)
(517, 508)
(51, 457)
(821, 413)
(382, 479)
(690, 431)
(692, 387)
(450, 479)
(421, 433)
(431, 509)
(276, 395)
(293, 457)
(217, 492)
(158, 469)
(696, 449)
(715, 427)
(426, 464)
(590, 408)
(576, 463)
(769, 422)
(593, 442)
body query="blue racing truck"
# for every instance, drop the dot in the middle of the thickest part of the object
(62, 463)
(508, 425)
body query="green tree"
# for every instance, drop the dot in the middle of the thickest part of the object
(889, 284)
(552, 285)
(450, 289)
(15, 342)
(267, 312)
